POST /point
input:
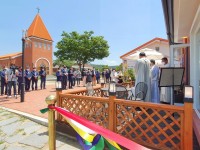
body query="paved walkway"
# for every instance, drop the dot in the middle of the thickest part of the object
(18, 133)
(34, 100)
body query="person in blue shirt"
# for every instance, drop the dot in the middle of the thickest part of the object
(59, 75)
(65, 75)
(3, 81)
(98, 76)
(42, 74)
(70, 77)
(20, 79)
(154, 76)
(107, 76)
(28, 76)
(34, 78)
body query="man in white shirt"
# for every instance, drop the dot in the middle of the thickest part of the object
(11, 78)
(113, 76)
(165, 92)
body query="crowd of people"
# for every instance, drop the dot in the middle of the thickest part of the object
(12, 78)
(72, 77)
(148, 72)
(145, 71)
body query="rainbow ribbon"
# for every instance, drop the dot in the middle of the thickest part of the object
(88, 136)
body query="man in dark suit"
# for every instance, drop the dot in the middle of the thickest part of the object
(65, 75)
(59, 75)
(70, 77)
(34, 78)
(42, 74)
(3, 81)
(19, 80)
(28, 76)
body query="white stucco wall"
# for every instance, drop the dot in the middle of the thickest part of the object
(163, 48)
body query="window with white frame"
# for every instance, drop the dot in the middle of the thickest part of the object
(36, 44)
(40, 45)
(26, 45)
(45, 46)
(48, 46)
(157, 49)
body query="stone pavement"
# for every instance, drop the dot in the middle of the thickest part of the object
(34, 100)
(19, 133)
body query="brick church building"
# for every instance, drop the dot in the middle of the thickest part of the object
(38, 49)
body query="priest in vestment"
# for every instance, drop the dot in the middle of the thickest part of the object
(155, 95)
(142, 73)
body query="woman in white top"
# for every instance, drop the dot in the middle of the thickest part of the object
(114, 75)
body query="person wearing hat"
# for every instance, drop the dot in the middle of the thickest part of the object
(142, 72)
(34, 78)
(42, 74)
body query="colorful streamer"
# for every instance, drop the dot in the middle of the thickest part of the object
(97, 144)
(88, 135)
(109, 135)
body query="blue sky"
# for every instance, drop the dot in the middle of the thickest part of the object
(125, 24)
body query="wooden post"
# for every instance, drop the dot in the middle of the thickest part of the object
(51, 100)
(111, 112)
(59, 103)
(188, 127)
(102, 85)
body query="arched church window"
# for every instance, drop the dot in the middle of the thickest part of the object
(36, 44)
(49, 46)
(26, 45)
(40, 45)
(45, 46)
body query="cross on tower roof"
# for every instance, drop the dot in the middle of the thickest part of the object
(38, 9)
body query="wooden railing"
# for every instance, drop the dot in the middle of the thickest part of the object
(83, 92)
(157, 126)
(128, 84)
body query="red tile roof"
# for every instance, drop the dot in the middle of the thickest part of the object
(7, 56)
(38, 29)
(143, 45)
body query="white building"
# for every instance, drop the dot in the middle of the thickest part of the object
(158, 44)
(182, 18)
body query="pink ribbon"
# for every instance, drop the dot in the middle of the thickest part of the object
(100, 130)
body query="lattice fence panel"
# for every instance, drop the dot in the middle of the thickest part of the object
(83, 93)
(93, 110)
(97, 92)
(152, 127)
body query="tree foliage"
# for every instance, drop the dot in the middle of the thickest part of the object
(82, 48)
(119, 68)
(129, 73)
(67, 63)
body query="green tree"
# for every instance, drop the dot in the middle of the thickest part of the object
(67, 63)
(119, 68)
(82, 48)
(129, 73)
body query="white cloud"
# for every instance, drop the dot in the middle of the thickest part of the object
(111, 62)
